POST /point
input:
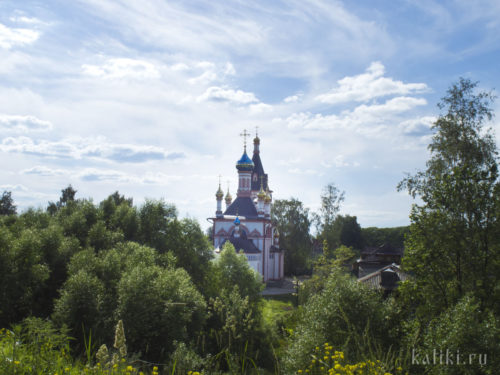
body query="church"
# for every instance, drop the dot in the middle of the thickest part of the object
(246, 221)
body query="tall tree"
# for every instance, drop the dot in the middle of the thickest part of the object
(331, 198)
(292, 221)
(454, 243)
(7, 206)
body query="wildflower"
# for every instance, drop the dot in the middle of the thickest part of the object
(130, 368)
(120, 341)
(17, 363)
(102, 354)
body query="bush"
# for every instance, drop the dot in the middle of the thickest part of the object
(345, 314)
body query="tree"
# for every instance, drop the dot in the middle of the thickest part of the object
(154, 220)
(7, 206)
(159, 307)
(292, 220)
(344, 230)
(67, 195)
(231, 269)
(331, 198)
(453, 247)
(395, 236)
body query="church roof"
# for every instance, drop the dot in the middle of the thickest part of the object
(244, 244)
(259, 169)
(242, 206)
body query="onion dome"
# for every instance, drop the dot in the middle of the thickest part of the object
(262, 193)
(245, 163)
(268, 198)
(236, 221)
(256, 140)
(228, 197)
(219, 194)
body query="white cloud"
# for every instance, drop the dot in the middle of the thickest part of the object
(260, 108)
(369, 85)
(10, 37)
(417, 126)
(122, 68)
(291, 99)
(229, 69)
(28, 20)
(80, 148)
(362, 118)
(224, 94)
(41, 170)
(10, 187)
(205, 77)
(100, 174)
(305, 171)
(23, 124)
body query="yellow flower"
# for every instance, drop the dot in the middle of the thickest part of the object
(16, 362)
(155, 368)
(130, 368)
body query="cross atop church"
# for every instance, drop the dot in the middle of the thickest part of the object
(245, 134)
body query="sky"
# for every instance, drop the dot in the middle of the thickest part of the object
(149, 97)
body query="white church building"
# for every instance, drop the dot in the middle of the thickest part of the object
(246, 221)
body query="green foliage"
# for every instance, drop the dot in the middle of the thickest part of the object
(374, 237)
(331, 198)
(338, 260)
(464, 329)
(453, 247)
(191, 248)
(292, 220)
(154, 220)
(158, 306)
(79, 306)
(231, 269)
(7, 206)
(34, 347)
(24, 274)
(342, 314)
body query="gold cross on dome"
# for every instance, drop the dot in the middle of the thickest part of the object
(245, 134)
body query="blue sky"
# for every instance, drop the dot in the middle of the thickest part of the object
(149, 97)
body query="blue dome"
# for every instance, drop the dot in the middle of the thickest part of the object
(237, 221)
(245, 163)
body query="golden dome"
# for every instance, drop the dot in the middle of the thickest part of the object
(219, 194)
(268, 197)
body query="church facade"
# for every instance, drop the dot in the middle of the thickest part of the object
(246, 221)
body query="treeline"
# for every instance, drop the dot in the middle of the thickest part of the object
(85, 267)
(332, 230)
